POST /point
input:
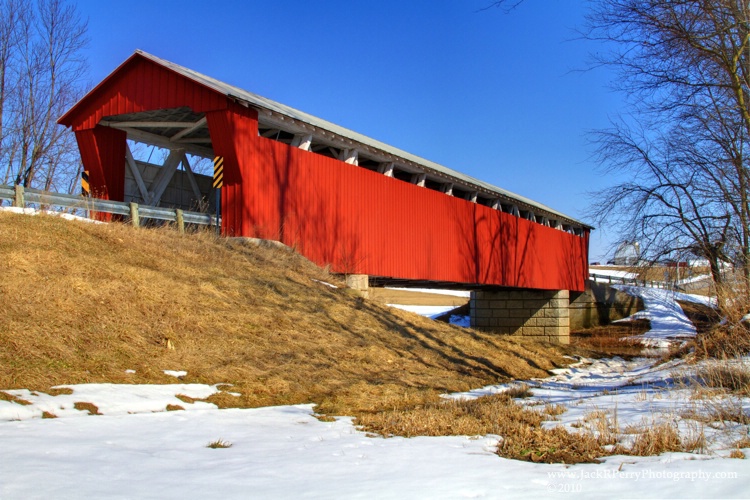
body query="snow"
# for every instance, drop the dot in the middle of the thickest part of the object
(668, 321)
(634, 394)
(612, 273)
(34, 211)
(455, 293)
(137, 449)
(435, 311)
(459, 320)
(429, 311)
(329, 285)
(175, 373)
(285, 452)
(110, 399)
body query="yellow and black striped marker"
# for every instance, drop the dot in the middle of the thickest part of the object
(218, 172)
(85, 188)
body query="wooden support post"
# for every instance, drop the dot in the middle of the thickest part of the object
(386, 169)
(302, 141)
(18, 201)
(180, 216)
(134, 217)
(350, 156)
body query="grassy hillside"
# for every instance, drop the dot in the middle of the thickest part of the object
(85, 302)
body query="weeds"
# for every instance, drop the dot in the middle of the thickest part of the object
(556, 445)
(495, 414)
(4, 396)
(554, 410)
(185, 399)
(519, 391)
(59, 391)
(733, 376)
(655, 439)
(85, 406)
(219, 443)
(615, 339)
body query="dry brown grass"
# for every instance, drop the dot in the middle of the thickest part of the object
(432, 416)
(656, 439)
(555, 445)
(83, 303)
(219, 444)
(389, 296)
(4, 396)
(613, 339)
(86, 406)
(723, 341)
(734, 377)
(523, 437)
(723, 333)
(59, 391)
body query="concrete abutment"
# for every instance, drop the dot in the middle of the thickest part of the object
(541, 314)
(359, 282)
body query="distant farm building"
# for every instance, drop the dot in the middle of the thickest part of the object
(627, 254)
(340, 198)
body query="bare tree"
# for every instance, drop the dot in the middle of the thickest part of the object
(11, 12)
(685, 67)
(42, 69)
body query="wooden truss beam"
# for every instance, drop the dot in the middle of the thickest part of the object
(189, 130)
(164, 142)
(130, 161)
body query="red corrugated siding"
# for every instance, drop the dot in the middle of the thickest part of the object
(103, 154)
(141, 85)
(360, 221)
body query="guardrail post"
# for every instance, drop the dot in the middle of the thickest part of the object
(18, 201)
(134, 217)
(180, 220)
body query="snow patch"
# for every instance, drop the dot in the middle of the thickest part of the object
(428, 311)
(34, 211)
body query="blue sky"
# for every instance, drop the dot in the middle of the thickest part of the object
(499, 96)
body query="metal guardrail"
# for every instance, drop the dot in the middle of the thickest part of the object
(7, 193)
(20, 196)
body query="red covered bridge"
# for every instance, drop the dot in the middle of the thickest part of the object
(338, 197)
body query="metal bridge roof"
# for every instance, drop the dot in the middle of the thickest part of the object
(262, 103)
